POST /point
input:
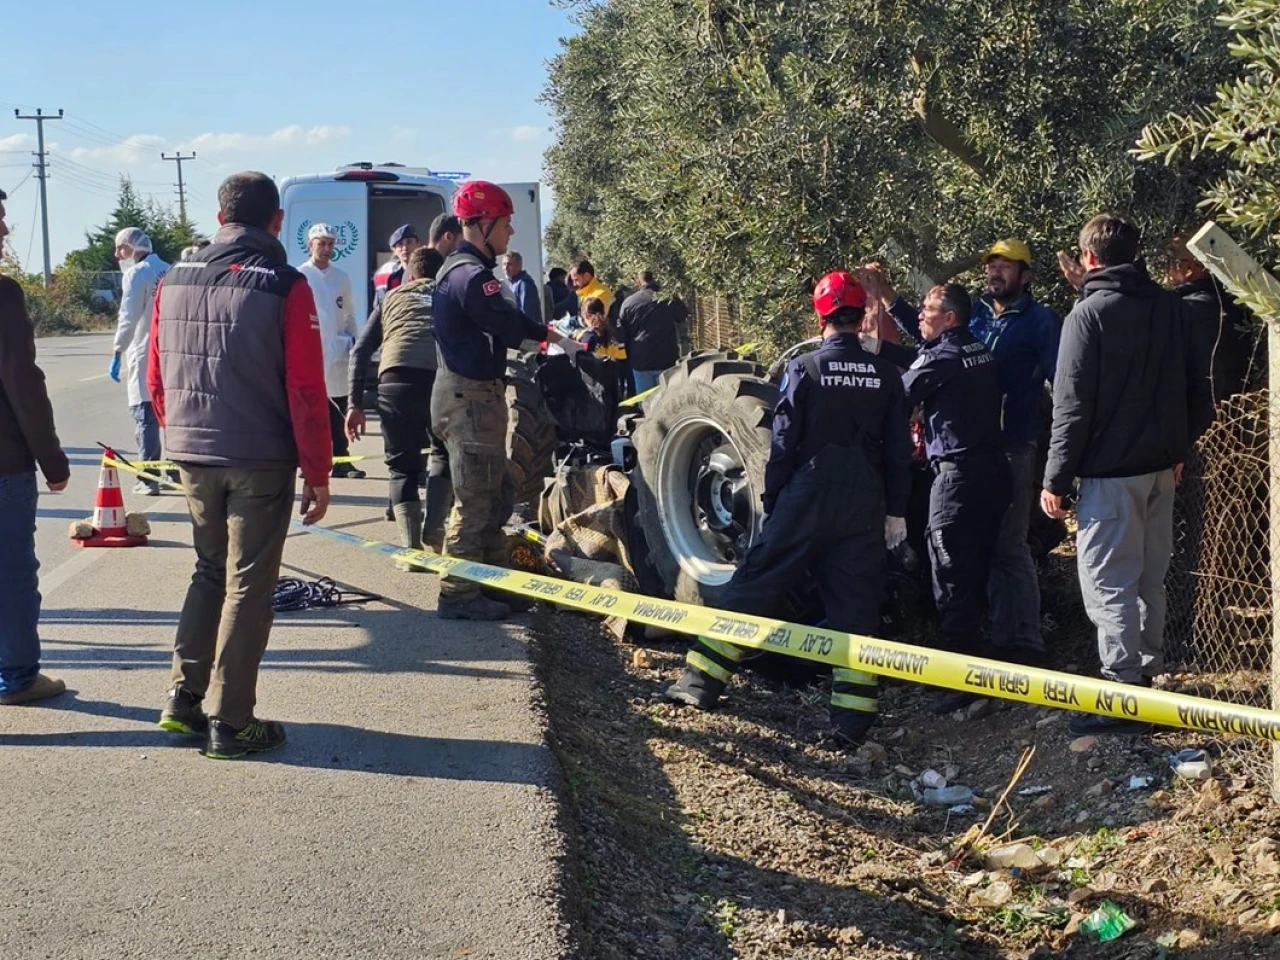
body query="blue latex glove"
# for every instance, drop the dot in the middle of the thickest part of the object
(114, 372)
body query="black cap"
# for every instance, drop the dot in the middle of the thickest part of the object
(405, 232)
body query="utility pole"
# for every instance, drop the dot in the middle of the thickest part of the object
(178, 158)
(43, 176)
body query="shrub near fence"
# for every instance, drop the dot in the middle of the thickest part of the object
(68, 306)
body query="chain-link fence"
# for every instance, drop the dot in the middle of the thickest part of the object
(714, 325)
(1218, 636)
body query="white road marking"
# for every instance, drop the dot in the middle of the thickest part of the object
(85, 558)
(101, 376)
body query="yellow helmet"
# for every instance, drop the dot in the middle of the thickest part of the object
(1016, 250)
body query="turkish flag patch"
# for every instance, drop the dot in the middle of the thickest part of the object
(492, 287)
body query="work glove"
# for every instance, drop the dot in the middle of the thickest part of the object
(870, 342)
(895, 532)
(114, 371)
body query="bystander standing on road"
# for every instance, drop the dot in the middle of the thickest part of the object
(405, 330)
(331, 288)
(27, 440)
(1131, 397)
(647, 327)
(528, 298)
(142, 271)
(236, 371)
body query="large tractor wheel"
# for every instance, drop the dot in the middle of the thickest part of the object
(531, 430)
(701, 450)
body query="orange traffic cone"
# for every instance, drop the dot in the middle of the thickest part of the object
(109, 529)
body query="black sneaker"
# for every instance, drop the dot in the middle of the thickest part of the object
(347, 471)
(1092, 724)
(257, 736)
(695, 689)
(182, 714)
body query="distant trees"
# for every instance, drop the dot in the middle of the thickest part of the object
(169, 232)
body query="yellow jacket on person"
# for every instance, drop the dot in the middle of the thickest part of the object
(594, 289)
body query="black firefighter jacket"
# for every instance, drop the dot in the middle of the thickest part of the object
(1132, 391)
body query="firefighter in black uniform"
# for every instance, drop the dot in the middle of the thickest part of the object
(953, 378)
(835, 494)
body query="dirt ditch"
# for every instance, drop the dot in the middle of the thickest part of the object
(743, 834)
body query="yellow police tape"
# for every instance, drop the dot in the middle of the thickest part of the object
(988, 678)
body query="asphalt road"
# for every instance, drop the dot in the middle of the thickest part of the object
(411, 814)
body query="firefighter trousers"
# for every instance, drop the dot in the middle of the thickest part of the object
(828, 523)
(470, 419)
(967, 503)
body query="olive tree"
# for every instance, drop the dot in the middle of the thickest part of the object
(749, 146)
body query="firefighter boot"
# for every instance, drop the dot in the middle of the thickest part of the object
(439, 502)
(849, 728)
(409, 526)
(695, 689)
(481, 608)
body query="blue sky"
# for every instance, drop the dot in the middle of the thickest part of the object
(283, 86)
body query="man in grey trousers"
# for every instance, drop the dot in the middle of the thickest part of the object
(1131, 396)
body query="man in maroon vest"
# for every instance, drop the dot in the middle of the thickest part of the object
(236, 374)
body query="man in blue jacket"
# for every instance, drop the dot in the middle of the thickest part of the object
(1022, 334)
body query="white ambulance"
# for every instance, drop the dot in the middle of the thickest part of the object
(366, 202)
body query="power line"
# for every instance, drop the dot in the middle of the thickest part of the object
(32, 240)
(40, 118)
(13, 190)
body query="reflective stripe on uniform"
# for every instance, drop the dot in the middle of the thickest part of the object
(731, 652)
(843, 675)
(848, 701)
(704, 664)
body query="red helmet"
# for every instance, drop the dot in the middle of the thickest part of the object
(481, 200)
(837, 290)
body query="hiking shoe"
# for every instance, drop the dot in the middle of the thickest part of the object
(347, 471)
(229, 743)
(695, 689)
(1092, 724)
(183, 715)
(481, 608)
(43, 688)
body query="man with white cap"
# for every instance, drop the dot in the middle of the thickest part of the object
(142, 271)
(338, 331)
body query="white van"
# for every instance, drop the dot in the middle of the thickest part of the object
(365, 203)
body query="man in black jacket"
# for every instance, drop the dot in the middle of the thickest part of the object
(1222, 329)
(1132, 394)
(647, 328)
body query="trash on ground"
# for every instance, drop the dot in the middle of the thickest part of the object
(1192, 764)
(1106, 923)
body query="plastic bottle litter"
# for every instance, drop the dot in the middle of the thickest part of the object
(948, 796)
(932, 780)
(1192, 764)
(1106, 923)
